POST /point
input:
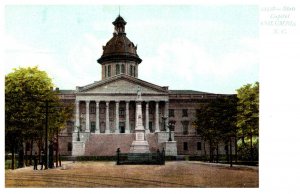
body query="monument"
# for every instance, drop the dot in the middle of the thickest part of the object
(140, 144)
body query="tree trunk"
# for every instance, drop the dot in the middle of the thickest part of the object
(13, 155)
(40, 150)
(243, 137)
(25, 155)
(21, 157)
(217, 153)
(227, 152)
(56, 152)
(210, 152)
(204, 150)
(251, 147)
(230, 150)
(31, 149)
(235, 148)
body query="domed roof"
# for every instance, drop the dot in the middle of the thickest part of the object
(119, 47)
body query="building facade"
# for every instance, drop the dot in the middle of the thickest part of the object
(105, 111)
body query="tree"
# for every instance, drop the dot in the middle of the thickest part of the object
(248, 119)
(216, 121)
(26, 91)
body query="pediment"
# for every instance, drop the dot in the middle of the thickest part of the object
(122, 85)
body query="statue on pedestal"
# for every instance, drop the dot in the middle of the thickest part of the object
(139, 145)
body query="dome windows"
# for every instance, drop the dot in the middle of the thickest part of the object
(117, 69)
(120, 68)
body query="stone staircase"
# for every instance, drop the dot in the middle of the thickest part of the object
(107, 144)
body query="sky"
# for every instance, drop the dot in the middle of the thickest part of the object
(206, 48)
(213, 47)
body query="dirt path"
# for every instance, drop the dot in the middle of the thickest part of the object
(107, 174)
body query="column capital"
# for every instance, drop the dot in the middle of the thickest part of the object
(117, 101)
(87, 101)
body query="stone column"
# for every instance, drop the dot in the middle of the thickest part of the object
(77, 120)
(87, 116)
(157, 116)
(117, 117)
(97, 117)
(136, 106)
(147, 117)
(127, 118)
(107, 118)
(166, 114)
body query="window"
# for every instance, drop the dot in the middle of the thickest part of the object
(185, 146)
(69, 146)
(117, 69)
(93, 127)
(150, 111)
(122, 68)
(150, 126)
(70, 126)
(131, 70)
(198, 145)
(92, 108)
(121, 112)
(134, 71)
(184, 113)
(171, 112)
(105, 71)
(108, 71)
(102, 110)
(122, 127)
(185, 126)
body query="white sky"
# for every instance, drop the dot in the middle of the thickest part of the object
(206, 48)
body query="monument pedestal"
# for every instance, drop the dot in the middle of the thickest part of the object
(139, 145)
(78, 148)
(170, 148)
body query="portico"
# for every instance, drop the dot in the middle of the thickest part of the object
(113, 113)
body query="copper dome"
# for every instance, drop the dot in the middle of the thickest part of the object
(119, 47)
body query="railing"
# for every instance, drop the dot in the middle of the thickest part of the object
(157, 158)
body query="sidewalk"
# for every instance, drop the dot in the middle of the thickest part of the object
(225, 165)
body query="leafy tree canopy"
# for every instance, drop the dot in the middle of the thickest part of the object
(216, 120)
(248, 110)
(26, 91)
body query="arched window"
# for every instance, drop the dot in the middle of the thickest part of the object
(117, 69)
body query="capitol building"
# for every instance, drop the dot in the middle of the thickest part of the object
(105, 111)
